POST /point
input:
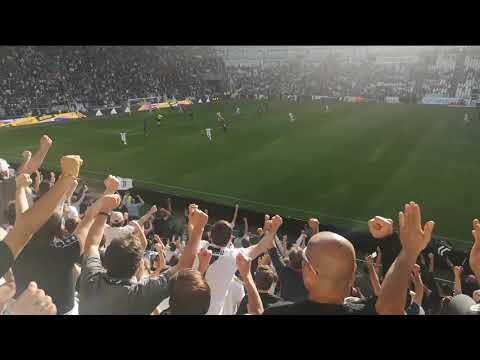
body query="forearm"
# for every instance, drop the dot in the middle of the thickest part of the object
(21, 201)
(374, 281)
(191, 249)
(262, 247)
(457, 287)
(35, 162)
(31, 220)
(301, 240)
(69, 193)
(235, 216)
(394, 287)
(255, 306)
(95, 235)
(418, 298)
(144, 218)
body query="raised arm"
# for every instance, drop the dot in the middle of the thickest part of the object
(373, 276)
(271, 227)
(255, 306)
(23, 181)
(245, 228)
(30, 221)
(235, 214)
(95, 234)
(457, 273)
(314, 224)
(474, 259)
(414, 239)
(84, 227)
(169, 205)
(147, 215)
(197, 220)
(69, 193)
(34, 162)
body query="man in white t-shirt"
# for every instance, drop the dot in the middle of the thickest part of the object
(223, 263)
(234, 297)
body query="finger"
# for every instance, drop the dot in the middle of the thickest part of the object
(401, 220)
(32, 287)
(51, 309)
(427, 231)
(416, 216)
(40, 293)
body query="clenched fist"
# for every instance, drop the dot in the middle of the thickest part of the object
(111, 183)
(380, 227)
(71, 165)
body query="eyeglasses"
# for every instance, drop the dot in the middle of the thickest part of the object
(307, 261)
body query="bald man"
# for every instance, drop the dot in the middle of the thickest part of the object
(328, 272)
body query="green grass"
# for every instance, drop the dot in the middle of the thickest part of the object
(343, 166)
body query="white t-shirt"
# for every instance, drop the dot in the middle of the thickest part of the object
(219, 276)
(116, 232)
(235, 294)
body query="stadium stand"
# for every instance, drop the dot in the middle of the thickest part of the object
(179, 260)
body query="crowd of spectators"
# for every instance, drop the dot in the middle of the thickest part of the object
(410, 80)
(46, 78)
(70, 252)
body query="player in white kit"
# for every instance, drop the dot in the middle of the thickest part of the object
(237, 111)
(123, 137)
(326, 108)
(208, 131)
(292, 118)
(466, 120)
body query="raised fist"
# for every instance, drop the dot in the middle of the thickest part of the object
(45, 141)
(109, 202)
(71, 165)
(380, 227)
(313, 223)
(111, 183)
(27, 155)
(198, 218)
(457, 270)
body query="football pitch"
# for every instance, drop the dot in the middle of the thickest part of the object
(343, 166)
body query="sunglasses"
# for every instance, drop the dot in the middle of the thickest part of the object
(307, 261)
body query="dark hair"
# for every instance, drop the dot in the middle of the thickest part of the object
(51, 229)
(172, 246)
(221, 233)
(295, 258)
(264, 277)
(173, 261)
(10, 213)
(71, 224)
(43, 188)
(189, 293)
(122, 257)
(245, 243)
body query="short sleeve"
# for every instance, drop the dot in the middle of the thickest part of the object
(92, 265)
(151, 292)
(6, 258)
